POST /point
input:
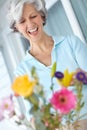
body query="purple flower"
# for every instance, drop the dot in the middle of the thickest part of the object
(59, 75)
(85, 81)
(81, 76)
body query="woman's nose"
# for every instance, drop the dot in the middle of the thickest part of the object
(29, 23)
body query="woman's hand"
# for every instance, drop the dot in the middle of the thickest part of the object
(80, 70)
(75, 75)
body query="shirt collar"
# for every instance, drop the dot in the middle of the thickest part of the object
(57, 40)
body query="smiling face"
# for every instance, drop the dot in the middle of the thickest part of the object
(31, 23)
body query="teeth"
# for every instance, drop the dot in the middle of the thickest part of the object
(32, 30)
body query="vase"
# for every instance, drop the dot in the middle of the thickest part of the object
(66, 127)
(27, 128)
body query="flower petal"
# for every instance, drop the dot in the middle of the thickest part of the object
(63, 100)
(23, 86)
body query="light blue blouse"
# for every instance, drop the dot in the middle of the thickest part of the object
(68, 52)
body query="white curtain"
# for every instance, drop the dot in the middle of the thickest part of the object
(80, 8)
(57, 21)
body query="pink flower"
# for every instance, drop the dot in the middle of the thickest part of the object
(46, 124)
(7, 106)
(63, 100)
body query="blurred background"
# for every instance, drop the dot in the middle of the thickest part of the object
(65, 17)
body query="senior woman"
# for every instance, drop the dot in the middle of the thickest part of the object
(28, 17)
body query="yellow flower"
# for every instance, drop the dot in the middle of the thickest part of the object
(66, 80)
(23, 86)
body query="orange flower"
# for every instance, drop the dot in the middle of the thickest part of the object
(23, 86)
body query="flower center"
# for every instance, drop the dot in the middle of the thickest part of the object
(63, 99)
(6, 106)
(81, 76)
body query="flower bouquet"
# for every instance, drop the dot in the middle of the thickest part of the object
(62, 111)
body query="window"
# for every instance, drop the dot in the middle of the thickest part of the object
(5, 81)
(57, 21)
(80, 8)
(5, 90)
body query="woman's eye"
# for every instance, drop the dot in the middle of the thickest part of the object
(21, 21)
(34, 16)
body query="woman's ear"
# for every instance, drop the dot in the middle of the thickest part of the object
(15, 28)
(43, 20)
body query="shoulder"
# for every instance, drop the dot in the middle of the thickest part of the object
(70, 42)
(23, 67)
(73, 41)
(76, 43)
(19, 70)
(65, 39)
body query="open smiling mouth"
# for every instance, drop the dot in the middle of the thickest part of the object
(32, 31)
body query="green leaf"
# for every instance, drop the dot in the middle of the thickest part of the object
(53, 70)
(40, 126)
(34, 100)
(82, 104)
(34, 74)
(38, 120)
(33, 71)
